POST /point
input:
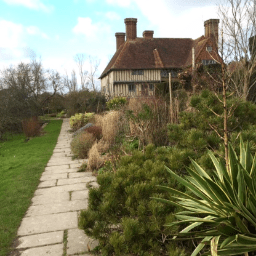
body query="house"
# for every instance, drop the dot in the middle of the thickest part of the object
(140, 63)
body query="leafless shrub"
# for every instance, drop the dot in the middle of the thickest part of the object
(31, 127)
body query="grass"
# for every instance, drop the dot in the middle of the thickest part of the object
(21, 166)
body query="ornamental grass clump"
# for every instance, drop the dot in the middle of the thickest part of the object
(110, 126)
(81, 144)
(219, 210)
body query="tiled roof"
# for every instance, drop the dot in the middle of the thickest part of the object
(155, 53)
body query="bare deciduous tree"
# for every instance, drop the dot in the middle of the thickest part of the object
(238, 19)
(91, 75)
(80, 59)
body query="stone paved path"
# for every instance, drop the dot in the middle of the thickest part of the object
(50, 226)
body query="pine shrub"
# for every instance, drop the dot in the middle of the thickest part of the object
(121, 214)
(198, 129)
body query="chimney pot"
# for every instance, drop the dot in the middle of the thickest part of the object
(131, 28)
(120, 39)
(148, 34)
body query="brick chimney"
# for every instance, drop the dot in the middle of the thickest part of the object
(131, 28)
(148, 34)
(211, 29)
(120, 39)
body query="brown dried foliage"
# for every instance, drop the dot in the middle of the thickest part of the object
(153, 128)
(110, 126)
(98, 119)
(96, 131)
(31, 127)
(95, 160)
(103, 146)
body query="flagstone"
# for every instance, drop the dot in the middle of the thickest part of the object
(65, 206)
(48, 223)
(40, 239)
(79, 242)
(51, 250)
(75, 180)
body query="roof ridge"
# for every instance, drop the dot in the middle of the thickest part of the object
(158, 61)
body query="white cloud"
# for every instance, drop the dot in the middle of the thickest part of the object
(122, 3)
(13, 44)
(32, 4)
(113, 16)
(11, 34)
(93, 31)
(33, 30)
(85, 27)
(189, 23)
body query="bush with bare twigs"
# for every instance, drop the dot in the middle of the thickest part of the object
(148, 120)
(31, 127)
(96, 131)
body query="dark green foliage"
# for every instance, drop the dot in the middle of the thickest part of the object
(197, 130)
(122, 215)
(84, 101)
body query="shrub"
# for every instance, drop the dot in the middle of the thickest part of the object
(79, 120)
(110, 126)
(116, 103)
(97, 120)
(95, 161)
(81, 144)
(221, 210)
(31, 127)
(148, 120)
(103, 146)
(121, 214)
(195, 131)
(61, 114)
(96, 131)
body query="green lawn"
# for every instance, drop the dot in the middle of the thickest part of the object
(21, 166)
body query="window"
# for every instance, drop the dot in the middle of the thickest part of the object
(208, 62)
(165, 73)
(151, 87)
(208, 48)
(138, 72)
(132, 87)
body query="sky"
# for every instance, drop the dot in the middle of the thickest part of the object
(55, 31)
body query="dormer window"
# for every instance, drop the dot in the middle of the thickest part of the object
(208, 48)
(138, 72)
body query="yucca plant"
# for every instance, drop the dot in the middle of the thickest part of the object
(221, 210)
